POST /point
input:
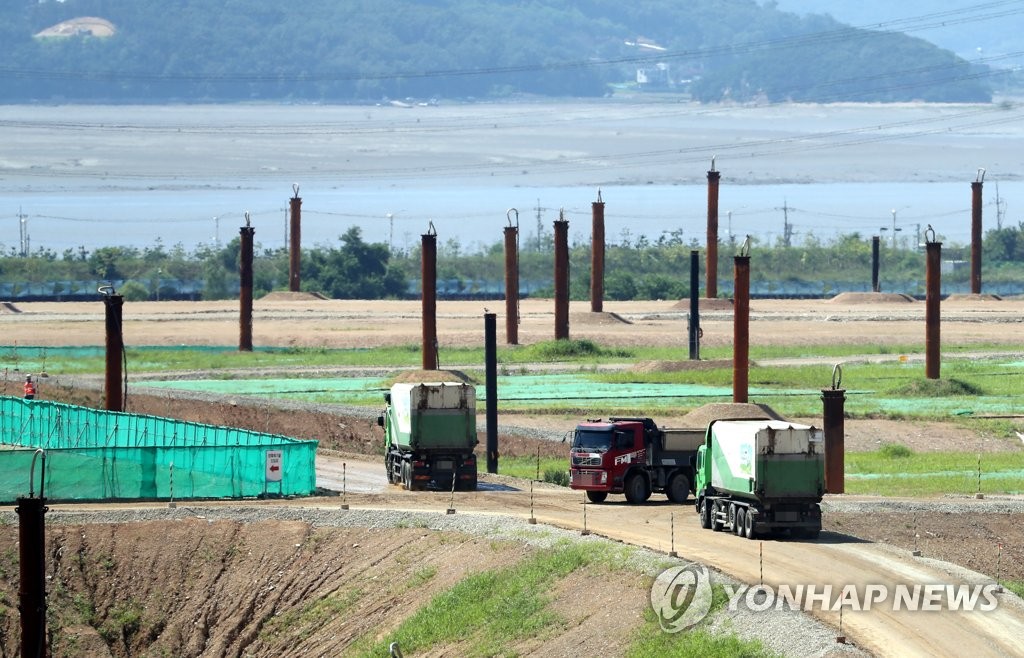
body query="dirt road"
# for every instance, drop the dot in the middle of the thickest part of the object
(834, 560)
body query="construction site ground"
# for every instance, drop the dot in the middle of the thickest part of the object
(205, 586)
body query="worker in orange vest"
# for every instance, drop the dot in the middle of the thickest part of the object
(30, 388)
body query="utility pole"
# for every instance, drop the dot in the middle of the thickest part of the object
(1000, 208)
(540, 224)
(23, 232)
(787, 228)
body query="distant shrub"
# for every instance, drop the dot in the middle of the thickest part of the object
(895, 451)
(557, 476)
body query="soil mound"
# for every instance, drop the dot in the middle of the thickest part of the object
(601, 318)
(871, 298)
(971, 297)
(288, 296)
(702, 416)
(705, 305)
(679, 366)
(425, 376)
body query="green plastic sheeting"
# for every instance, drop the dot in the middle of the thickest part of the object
(92, 454)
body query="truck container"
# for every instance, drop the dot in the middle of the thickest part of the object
(430, 435)
(761, 476)
(633, 456)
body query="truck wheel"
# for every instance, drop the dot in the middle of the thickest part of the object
(737, 524)
(636, 489)
(705, 515)
(597, 496)
(716, 522)
(748, 524)
(407, 476)
(678, 489)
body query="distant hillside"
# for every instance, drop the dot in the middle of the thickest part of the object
(368, 50)
(970, 28)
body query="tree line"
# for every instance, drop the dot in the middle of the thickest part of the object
(635, 269)
(360, 50)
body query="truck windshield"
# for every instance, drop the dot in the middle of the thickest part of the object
(587, 439)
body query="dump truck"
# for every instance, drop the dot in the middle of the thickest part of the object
(757, 477)
(430, 435)
(633, 456)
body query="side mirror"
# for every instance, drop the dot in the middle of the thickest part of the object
(387, 398)
(380, 421)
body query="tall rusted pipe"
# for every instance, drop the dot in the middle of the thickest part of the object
(976, 238)
(491, 388)
(32, 569)
(833, 418)
(245, 287)
(597, 256)
(295, 244)
(694, 328)
(711, 276)
(512, 284)
(933, 279)
(561, 277)
(113, 392)
(429, 295)
(741, 329)
(874, 263)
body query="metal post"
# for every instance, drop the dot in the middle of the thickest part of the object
(833, 418)
(741, 327)
(694, 305)
(875, 242)
(933, 278)
(294, 252)
(711, 276)
(512, 280)
(31, 513)
(976, 238)
(429, 296)
(597, 256)
(491, 386)
(113, 391)
(245, 289)
(561, 277)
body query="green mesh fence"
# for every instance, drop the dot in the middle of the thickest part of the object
(97, 455)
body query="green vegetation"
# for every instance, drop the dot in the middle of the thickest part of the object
(301, 622)
(1015, 586)
(359, 50)
(490, 609)
(353, 269)
(895, 470)
(526, 467)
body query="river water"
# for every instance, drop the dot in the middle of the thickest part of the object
(94, 176)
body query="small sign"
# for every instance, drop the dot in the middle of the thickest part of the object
(275, 459)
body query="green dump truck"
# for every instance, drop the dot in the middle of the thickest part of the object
(761, 476)
(430, 435)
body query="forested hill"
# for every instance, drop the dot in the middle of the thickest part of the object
(366, 50)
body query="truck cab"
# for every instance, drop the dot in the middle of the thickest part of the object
(632, 456)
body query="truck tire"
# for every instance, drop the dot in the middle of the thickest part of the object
(636, 489)
(597, 496)
(737, 523)
(407, 476)
(705, 514)
(716, 523)
(678, 488)
(748, 524)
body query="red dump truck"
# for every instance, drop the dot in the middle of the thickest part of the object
(633, 456)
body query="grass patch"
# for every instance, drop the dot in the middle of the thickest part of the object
(933, 388)
(526, 467)
(491, 610)
(569, 349)
(650, 641)
(1015, 586)
(894, 470)
(304, 621)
